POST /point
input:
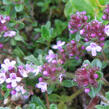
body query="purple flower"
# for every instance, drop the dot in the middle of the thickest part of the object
(96, 76)
(106, 13)
(1, 45)
(42, 86)
(87, 90)
(13, 92)
(58, 45)
(50, 56)
(77, 21)
(9, 34)
(13, 79)
(29, 68)
(8, 64)
(93, 30)
(106, 30)
(93, 48)
(2, 78)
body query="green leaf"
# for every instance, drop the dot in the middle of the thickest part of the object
(81, 5)
(19, 7)
(100, 75)
(68, 8)
(5, 108)
(61, 105)
(32, 106)
(102, 107)
(6, 2)
(59, 26)
(7, 93)
(18, 52)
(44, 32)
(18, 107)
(86, 62)
(32, 59)
(54, 98)
(1, 97)
(68, 83)
(53, 106)
(107, 95)
(19, 38)
(51, 88)
(37, 101)
(13, 42)
(77, 36)
(97, 63)
(94, 91)
(39, 107)
(19, 62)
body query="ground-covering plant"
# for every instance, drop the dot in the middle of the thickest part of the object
(54, 54)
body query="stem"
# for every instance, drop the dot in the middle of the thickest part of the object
(47, 101)
(99, 5)
(74, 95)
(105, 58)
(106, 83)
(103, 98)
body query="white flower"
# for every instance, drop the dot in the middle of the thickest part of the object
(61, 77)
(106, 30)
(8, 64)
(9, 34)
(50, 56)
(37, 70)
(13, 79)
(93, 48)
(58, 45)
(2, 78)
(2, 19)
(42, 86)
(20, 89)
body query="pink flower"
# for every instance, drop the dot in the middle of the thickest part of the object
(8, 64)
(87, 90)
(58, 45)
(9, 34)
(1, 45)
(42, 86)
(93, 48)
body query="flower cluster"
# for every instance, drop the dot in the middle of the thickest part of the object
(94, 31)
(3, 26)
(73, 50)
(13, 76)
(86, 77)
(51, 72)
(3, 21)
(106, 13)
(77, 21)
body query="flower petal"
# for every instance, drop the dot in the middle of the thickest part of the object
(88, 48)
